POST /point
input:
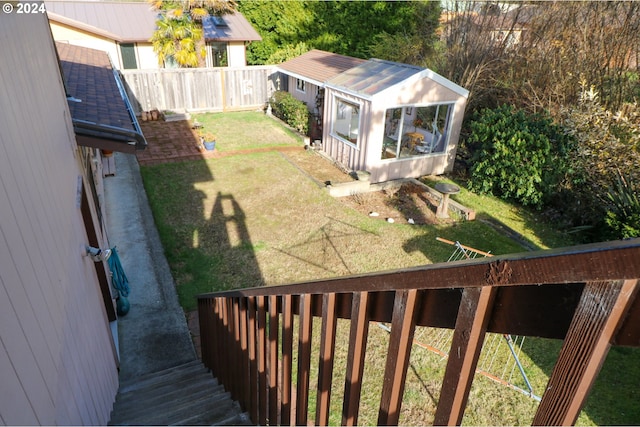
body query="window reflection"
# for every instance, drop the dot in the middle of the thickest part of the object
(346, 121)
(416, 131)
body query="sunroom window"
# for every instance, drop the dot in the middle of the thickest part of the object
(346, 121)
(416, 131)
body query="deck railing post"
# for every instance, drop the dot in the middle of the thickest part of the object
(327, 352)
(287, 359)
(262, 360)
(403, 325)
(241, 361)
(358, 334)
(466, 345)
(273, 366)
(304, 359)
(252, 377)
(601, 310)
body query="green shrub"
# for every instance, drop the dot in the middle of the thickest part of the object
(607, 148)
(517, 156)
(290, 110)
(623, 219)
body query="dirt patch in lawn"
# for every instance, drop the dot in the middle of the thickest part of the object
(318, 167)
(408, 203)
(403, 204)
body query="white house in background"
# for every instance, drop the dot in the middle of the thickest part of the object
(123, 29)
(58, 353)
(392, 120)
(227, 37)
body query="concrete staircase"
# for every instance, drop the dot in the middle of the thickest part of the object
(184, 395)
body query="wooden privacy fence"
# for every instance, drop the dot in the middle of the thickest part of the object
(585, 295)
(200, 89)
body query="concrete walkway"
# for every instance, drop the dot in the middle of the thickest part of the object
(154, 334)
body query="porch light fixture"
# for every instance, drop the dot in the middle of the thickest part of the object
(97, 254)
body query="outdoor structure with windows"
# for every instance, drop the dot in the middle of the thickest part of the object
(393, 120)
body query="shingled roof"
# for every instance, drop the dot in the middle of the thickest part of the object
(99, 107)
(130, 22)
(230, 27)
(318, 66)
(124, 22)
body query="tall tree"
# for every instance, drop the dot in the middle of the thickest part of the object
(283, 25)
(351, 28)
(415, 43)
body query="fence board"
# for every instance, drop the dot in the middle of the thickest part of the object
(200, 89)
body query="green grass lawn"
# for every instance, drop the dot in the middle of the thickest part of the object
(256, 219)
(246, 130)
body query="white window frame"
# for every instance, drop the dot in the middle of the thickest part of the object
(404, 127)
(334, 119)
(301, 86)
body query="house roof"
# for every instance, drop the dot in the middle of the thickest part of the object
(136, 21)
(318, 66)
(119, 21)
(376, 76)
(230, 27)
(99, 106)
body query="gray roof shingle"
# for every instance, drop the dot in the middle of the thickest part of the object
(89, 79)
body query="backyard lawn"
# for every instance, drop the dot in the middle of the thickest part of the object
(262, 218)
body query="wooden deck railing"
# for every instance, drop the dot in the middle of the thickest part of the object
(585, 295)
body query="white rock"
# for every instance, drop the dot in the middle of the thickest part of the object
(374, 214)
(411, 221)
(390, 220)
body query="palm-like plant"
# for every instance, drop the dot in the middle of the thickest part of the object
(179, 35)
(178, 39)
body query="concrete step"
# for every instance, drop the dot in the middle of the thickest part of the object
(182, 395)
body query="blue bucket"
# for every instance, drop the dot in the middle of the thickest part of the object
(210, 145)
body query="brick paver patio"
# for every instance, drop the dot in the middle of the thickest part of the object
(177, 141)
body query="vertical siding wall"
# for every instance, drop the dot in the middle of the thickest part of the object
(200, 89)
(57, 364)
(308, 96)
(351, 157)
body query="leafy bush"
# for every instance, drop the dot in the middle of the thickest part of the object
(624, 217)
(517, 156)
(607, 149)
(290, 110)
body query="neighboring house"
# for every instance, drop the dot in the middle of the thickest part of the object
(124, 30)
(502, 27)
(120, 28)
(392, 120)
(227, 37)
(58, 353)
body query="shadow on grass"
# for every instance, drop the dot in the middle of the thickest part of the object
(326, 246)
(206, 242)
(614, 397)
